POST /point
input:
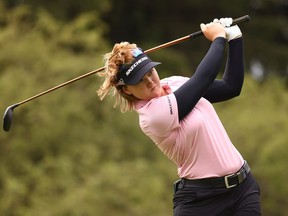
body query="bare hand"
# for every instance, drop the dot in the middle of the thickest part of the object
(213, 30)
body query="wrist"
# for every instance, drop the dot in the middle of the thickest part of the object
(220, 36)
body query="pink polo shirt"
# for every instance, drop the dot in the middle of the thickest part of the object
(198, 144)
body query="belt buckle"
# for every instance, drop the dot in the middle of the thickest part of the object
(227, 182)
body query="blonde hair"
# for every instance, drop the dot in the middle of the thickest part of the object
(120, 54)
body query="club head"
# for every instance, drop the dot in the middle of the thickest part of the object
(8, 117)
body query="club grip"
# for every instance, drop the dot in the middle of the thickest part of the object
(236, 21)
(239, 20)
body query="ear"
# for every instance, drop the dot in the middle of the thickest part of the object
(126, 91)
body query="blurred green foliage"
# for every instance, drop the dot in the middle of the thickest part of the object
(68, 153)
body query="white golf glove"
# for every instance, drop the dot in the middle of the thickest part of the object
(225, 22)
(232, 32)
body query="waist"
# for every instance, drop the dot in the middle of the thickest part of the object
(228, 181)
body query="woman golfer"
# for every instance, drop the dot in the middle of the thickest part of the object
(177, 114)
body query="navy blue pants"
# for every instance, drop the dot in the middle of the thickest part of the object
(242, 200)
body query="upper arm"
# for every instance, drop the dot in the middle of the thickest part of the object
(159, 117)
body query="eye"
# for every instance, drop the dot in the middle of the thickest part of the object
(141, 80)
(150, 72)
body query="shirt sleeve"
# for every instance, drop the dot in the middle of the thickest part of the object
(159, 120)
(190, 92)
(232, 80)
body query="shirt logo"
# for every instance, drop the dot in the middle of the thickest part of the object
(170, 105)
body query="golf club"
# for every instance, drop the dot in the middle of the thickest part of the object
(8, 114)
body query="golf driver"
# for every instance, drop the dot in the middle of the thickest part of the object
(8, 114)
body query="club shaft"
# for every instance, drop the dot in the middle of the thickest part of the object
(171, 43)
(62, 85)
(193, 35)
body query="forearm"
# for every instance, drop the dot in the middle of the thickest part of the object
(231, 83)
(190, 92)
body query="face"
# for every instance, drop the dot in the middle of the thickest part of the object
(149, 87)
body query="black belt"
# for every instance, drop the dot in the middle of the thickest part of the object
(228, 181)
